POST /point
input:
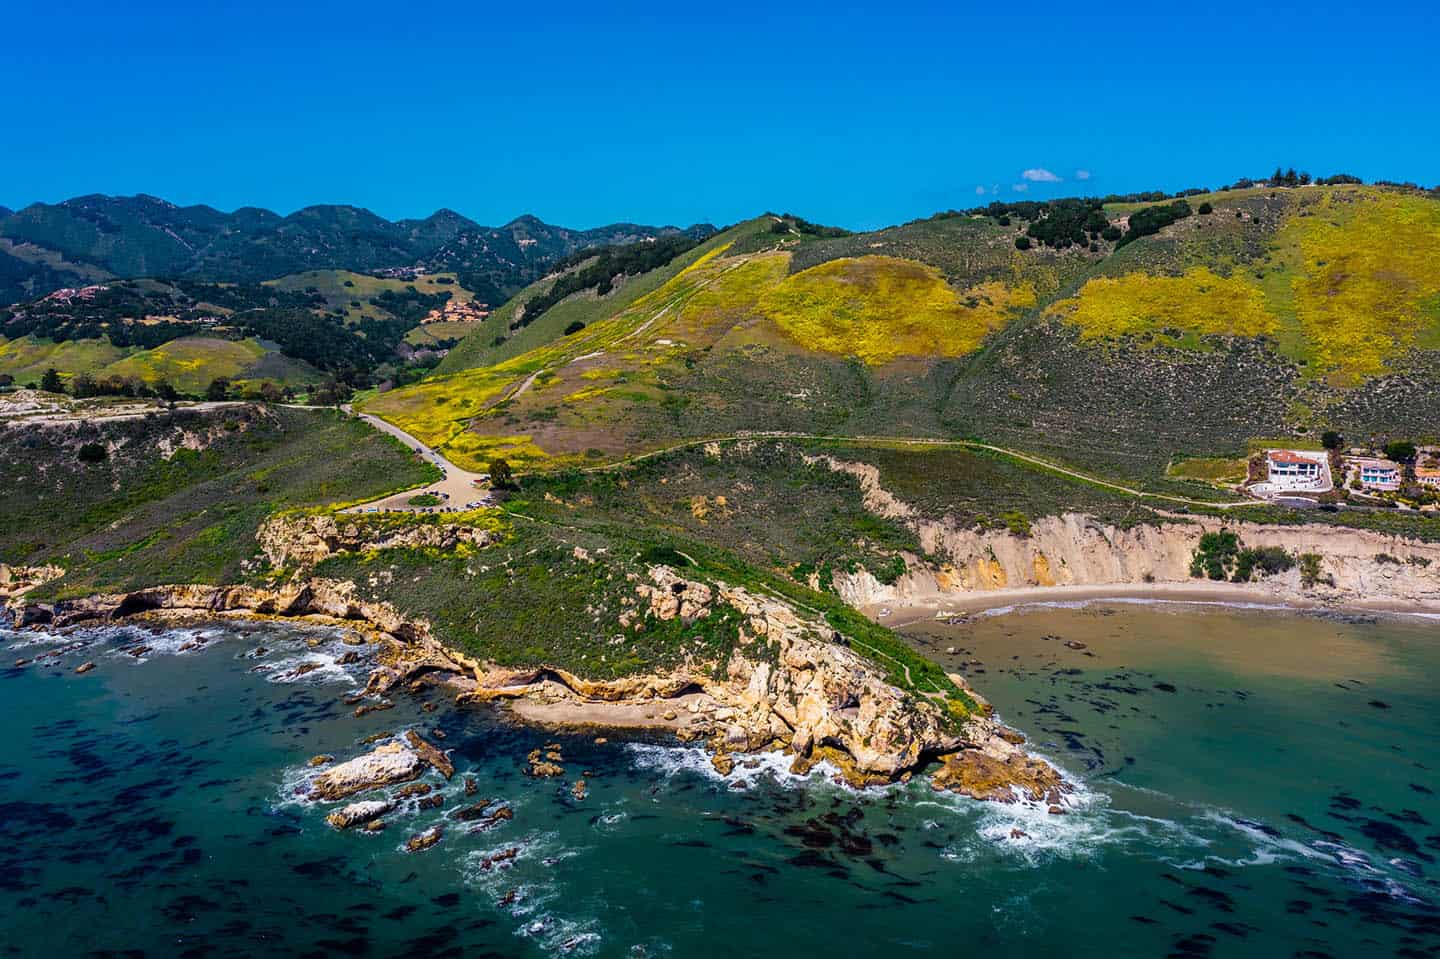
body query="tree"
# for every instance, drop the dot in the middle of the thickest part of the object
(166, 392)
(1331, 440)
(50, 382)
(501, 475)
(1401, 451)
(92, 453)
(1022, 243)
(218, 389)
(574, 327)
(1205, 209)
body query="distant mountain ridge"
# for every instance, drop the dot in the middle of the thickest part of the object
(53, 245)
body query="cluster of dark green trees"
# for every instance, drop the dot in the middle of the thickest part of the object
(787, 222)
(1221, 556)
(601, 268)
(1153, 219)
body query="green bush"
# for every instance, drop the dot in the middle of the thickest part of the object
(1215, 555)
(92, 453)
(1266, 560)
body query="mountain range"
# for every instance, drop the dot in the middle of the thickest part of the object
(93, 238)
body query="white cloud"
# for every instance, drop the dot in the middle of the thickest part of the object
(1040, 175)
(1020, 187)
(1082, 174)
(979, 191)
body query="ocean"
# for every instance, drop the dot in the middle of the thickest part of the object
(1249, 783)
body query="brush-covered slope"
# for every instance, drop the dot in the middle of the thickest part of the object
(1117, 337)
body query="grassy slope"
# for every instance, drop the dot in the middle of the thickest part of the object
(1186, 343)
(188, 363)
(139, 519)
(480, 350)
(27, 358)
(354, 299)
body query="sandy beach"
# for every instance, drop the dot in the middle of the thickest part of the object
(1201, 591)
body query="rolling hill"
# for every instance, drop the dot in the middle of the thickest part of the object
(1114, 335)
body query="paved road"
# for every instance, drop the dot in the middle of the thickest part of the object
(456, 489)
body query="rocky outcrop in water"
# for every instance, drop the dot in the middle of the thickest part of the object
(384, 766)
(358, 813)
(787, 684)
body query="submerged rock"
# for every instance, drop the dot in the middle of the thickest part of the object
(84, 667)
(391, 763)
(543, 765)
(358, 813)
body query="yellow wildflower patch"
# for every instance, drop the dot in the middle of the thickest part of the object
(1200, 302)
(1370, 280)
(881, 308)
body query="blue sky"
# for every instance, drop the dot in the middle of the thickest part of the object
(686, 112)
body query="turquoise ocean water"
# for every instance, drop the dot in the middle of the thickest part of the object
(1251, 783)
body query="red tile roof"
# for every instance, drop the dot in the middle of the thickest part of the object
(1285, 456)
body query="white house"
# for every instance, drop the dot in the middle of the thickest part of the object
(1375, 473)
(1297, 470)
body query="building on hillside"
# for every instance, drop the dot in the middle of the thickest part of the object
(1375, 473)
(1297, 470)
(1428, 476)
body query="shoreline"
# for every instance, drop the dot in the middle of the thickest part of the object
(925, 608)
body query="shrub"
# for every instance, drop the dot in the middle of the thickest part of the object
(1266, 560)
(663, 556)
(1310, 571)
(1017, 522)
(1022, 243)
(1205, 209)
(425, 499)
(92, 453)
(574, 327)
(50, 382)
(1215, 555)
(1331, 440)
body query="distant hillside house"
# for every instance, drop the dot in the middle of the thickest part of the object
(1428, 476)
(1297, 470)
(1377, 474)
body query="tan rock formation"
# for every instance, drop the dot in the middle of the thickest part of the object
(304, 541)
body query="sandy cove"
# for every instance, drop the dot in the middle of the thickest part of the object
(920, 607)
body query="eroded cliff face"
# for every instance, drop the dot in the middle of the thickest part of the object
(1075, 550)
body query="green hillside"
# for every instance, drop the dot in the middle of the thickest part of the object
(1115, 336)
(188, 364)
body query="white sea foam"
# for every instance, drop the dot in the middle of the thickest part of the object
(321, 668)
(750, 768)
